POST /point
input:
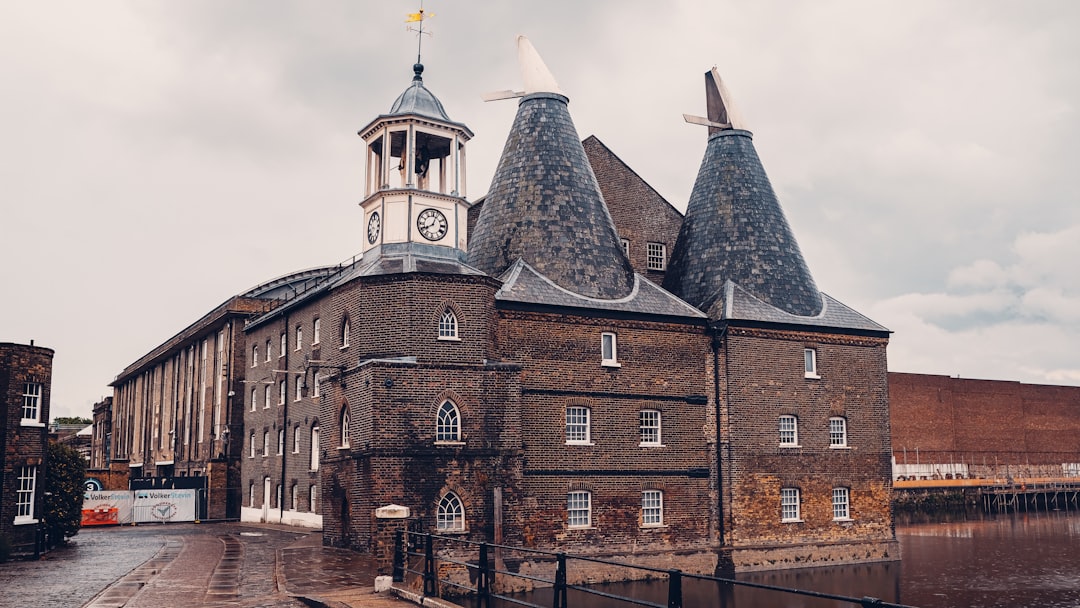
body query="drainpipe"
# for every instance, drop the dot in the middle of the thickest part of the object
(284, 424)
(716, 342)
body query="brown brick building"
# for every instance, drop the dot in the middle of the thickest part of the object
(25, 385)
(513, 371)
(959, 428)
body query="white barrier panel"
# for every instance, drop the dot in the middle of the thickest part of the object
(164, 506)
(107, 508)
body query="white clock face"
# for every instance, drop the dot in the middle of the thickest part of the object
(373, 226)
(432, 224)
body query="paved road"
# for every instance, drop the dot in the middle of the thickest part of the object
(151, 566)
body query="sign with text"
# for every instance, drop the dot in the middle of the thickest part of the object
(164, 506)
(107, 508)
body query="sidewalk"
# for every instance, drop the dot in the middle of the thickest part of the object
(336, 578)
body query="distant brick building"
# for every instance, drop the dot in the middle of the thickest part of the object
(25, 385)
(565, 364)
(960, 428)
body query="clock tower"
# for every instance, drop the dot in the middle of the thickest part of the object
(414, 194)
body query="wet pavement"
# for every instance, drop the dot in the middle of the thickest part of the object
(224, 564)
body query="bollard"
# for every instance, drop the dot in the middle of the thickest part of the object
(429, 567)
(674, 589)
(399, 556)
(559, 596)
(483, 583)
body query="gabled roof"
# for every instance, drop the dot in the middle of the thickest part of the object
(737, 304)
(620, 184)
(522, 283)
(545, 207)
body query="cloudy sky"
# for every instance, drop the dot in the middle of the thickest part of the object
(158, 157)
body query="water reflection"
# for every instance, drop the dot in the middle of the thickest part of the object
(1008, 561)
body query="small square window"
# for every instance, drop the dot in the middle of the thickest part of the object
(789, 504)
(652, 508)
(578, 509)
(837, 432)
(810, 362)
(840, 505)
(609, 350)
(789, 431)
(656, 256)
(650, 427)
(577, 425)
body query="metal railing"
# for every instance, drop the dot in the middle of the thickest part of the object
(420, 547)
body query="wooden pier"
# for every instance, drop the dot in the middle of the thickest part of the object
(1010, 495)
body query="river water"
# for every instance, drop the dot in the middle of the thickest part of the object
(1015, 561)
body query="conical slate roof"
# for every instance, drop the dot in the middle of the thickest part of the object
(417, 99)
(545, 207)
(735, 230)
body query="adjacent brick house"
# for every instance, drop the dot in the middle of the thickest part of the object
(25, 385)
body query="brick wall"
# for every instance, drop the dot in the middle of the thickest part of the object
(991, 428)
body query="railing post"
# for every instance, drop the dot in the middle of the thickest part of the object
(399, 555)
(429, 567)
(674, 589)
(483, 583)
(560, 581)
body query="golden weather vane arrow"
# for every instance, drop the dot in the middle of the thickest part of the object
(418, 17)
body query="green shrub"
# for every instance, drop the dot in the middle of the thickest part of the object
(64, 488)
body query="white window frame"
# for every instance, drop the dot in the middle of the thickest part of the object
(313, 495)
(578, 431)
(841, 504)
(266, 444)
(316, 331)
(650, 424)
(268, 349)
(314, 459)
(652, 509)
(448, 325)
(609, 349)
(299, 390)
(316, 387)
(255, 355)
(31, 406)
(25, 492)
(278, 497)
(266, 397)
(345, 332)
(838, 433)
(788, 433)
(254, 399)
(295, 498)
(251, 450)
(281, 392)
(790, 507)
(448, 423)
(810, 366)
(280, 441)
(296, 440)
(344, 427)
(282, 345)
(450, 514)
(579, 509)
(251, 494)
(656, 256)
(299, 338)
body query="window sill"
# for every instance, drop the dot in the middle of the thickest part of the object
(791, 521)
(451, 532)
(651, 445)
(450, 443)
(839, 447)
(580, 443)
(843, 519)
(24, 521)
(33, 423)
(610, 364)
(652, 526)
(343, 347)
(812, 377)
(790, 445)
(344, 447)
(448, 339)
(572, 528)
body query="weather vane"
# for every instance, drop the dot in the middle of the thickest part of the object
(418, 17)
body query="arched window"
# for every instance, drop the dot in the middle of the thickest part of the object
(344, 332)
(251, 450)
(448, 423)
(451, 514)
(315, 448)
(345, 426)
(448, 325)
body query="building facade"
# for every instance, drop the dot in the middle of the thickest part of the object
(565, 364)
(25, 387)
